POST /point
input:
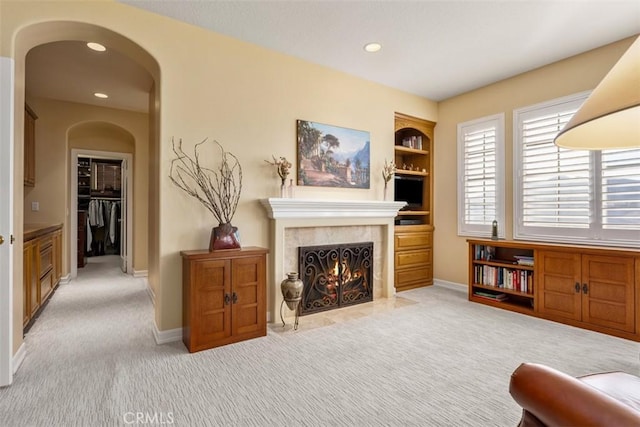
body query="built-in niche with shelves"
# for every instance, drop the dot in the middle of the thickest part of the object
(413, 184)
(501, 274)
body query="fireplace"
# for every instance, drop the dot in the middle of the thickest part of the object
(335, 276)
(305, 222)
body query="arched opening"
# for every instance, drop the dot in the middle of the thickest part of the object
(27, 39)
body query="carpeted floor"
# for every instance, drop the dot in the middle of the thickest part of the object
(434, 360)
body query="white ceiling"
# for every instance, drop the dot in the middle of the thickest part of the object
(435, 49)
(70, 71)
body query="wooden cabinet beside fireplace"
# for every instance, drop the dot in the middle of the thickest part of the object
(413, 183)
(223, 297)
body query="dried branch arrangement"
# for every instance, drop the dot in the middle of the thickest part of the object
(219, 191)
(283, 166)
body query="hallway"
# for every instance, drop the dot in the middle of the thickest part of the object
(91, 327)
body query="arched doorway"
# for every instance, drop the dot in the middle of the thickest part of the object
(105, 152)
(12, 350)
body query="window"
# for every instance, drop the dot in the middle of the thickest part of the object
(481, 176)
(575, 196)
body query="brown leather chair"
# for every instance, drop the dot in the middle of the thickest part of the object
(551, 398)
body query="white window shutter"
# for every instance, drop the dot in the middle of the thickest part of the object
(481, 176)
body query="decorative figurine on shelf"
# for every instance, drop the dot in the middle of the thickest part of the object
(387, 173)
(494, 230)
(282, 167)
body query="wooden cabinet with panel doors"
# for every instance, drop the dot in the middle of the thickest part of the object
(29, 146)
(598, 290)
(42, 267)
(223, 297)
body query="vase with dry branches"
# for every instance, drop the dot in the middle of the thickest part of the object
(218, 190)
(388, 170)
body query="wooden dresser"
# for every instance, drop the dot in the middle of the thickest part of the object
(223, 297)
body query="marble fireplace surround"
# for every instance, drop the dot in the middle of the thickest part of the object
(308, 222)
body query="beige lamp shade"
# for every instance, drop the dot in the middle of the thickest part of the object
(610, 117)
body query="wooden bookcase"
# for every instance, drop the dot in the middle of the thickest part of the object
(494, 270)
(413, 156)
(596, 288)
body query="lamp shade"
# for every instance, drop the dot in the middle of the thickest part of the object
(610, 117)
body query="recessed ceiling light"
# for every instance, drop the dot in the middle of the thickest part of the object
(96, 46)
(100, 95)
(372, 47)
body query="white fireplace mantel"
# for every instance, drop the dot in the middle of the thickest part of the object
(315, 208)
(303, 213)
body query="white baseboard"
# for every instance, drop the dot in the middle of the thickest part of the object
(140, 273)
(18, 358)
(164, 337)
(151, 294)
(451, 285)
(64, 280)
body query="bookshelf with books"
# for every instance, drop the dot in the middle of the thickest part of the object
(501, 274)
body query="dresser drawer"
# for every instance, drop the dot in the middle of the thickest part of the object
(46, 286)
(405, 241)
(409, 259)
(46, 255)
(422, 275)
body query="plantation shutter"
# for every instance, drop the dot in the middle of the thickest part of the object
(620, 189)
(556, 187)
(481, 175)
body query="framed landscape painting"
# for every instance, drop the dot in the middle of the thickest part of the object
(332, 156)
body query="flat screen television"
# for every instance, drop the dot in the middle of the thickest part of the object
(409, 189)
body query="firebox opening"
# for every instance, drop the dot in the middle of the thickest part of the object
(335, 276)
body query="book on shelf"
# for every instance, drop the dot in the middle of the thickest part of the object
(524, 260)
(491, 296)
(504, 277)
(414, 142)
(484, 253)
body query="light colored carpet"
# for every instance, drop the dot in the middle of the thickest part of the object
(441, 361)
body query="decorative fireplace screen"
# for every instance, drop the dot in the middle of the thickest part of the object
(335, 276)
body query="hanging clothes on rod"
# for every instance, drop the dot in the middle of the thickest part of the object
(104, 225)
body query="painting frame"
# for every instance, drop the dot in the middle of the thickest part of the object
(332, 156)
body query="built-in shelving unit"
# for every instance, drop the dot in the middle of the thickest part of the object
(595, 288)
(502, 274)
(84, 183)
(413, 148)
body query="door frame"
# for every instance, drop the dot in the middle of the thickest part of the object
(73, 205)
(7, 69)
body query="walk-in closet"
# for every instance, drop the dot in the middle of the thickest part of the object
(99, 208)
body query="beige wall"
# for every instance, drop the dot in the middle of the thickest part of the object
(246, 97)
(576, 74)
